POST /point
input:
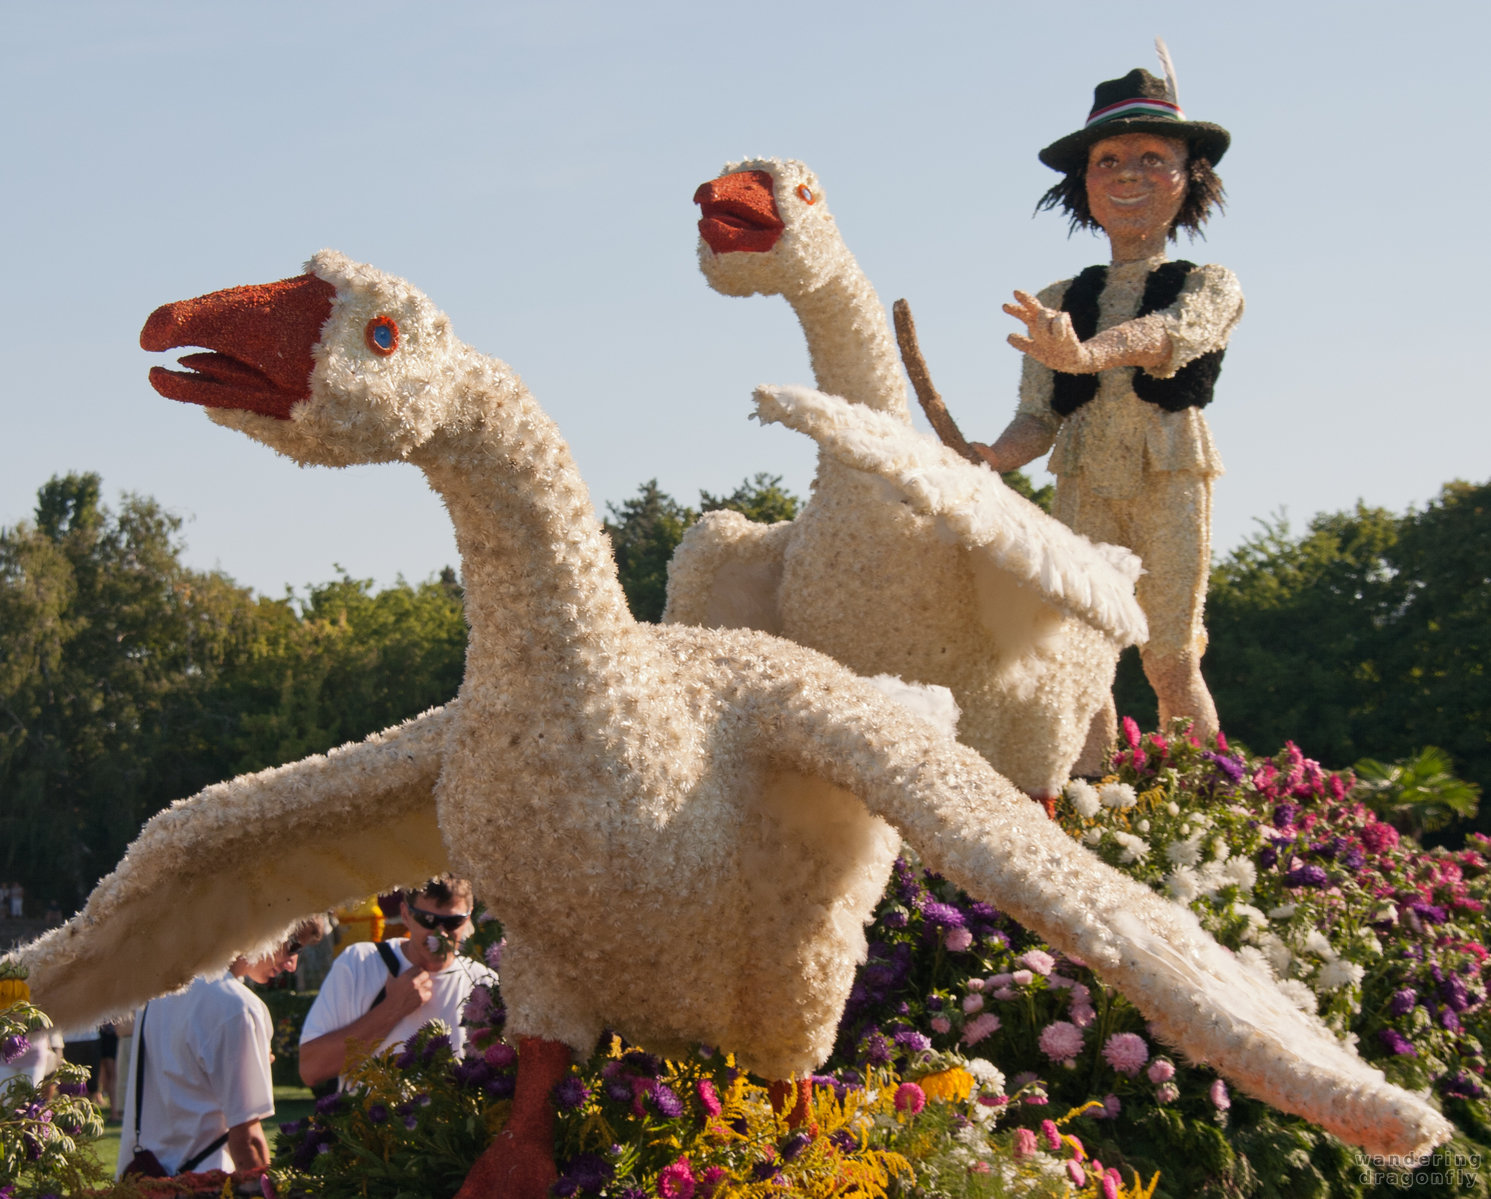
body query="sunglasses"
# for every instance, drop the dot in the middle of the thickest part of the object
(435, 921)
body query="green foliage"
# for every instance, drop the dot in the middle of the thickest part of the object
(646, 529)
(40, 1129)
(1417, 794)
(1041, 497)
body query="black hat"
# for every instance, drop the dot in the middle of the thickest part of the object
(1137, 103)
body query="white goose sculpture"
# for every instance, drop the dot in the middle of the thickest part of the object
(683, 830)
(1024, 626)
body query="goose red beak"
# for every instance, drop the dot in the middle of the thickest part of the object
(259, 344)
(739, 213)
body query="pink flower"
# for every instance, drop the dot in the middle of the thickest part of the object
(1160, 1070)
(1131, 732)
(1082, 1014)
(998, 980)
(1039, 960)
(1126, 1052)
(1061, 1041)
(1112, 1105)
(1022, 978)
(708, 1099)
(1004, 993)
(1379, 837)
(1025, 1145)
(1051, 1135)
(1167, 1092)
(1110, 1183)
(710, 1180)
(957, 939)
(980, 1027)
(1076, 1173)
(910, 1098)
(1219, 1097)
(1076, 1146)
(941, 1024)
(973, 1003)
(676, 1181)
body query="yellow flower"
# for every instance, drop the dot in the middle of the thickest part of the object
(948, 1086)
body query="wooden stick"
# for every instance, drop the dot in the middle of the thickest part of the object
(921, 381)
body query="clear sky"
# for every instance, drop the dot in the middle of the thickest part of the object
(530, 166)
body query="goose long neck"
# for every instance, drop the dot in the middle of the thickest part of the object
(853, 353)
(542, 596)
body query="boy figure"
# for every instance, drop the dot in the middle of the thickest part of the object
(1119, 363)
(378, 994)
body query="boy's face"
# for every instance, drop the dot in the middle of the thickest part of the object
(1136, 183)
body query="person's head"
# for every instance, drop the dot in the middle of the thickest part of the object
(1137, 110)
(438, 917)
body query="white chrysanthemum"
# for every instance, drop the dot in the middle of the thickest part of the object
(1298, 994)
(1279, 955)
(1134, 848)
(1182, 884)
(986, 1073)
(1318, 943)
(1173, 808)
(1337, 974)
(1211, 878)
(1119, 796)
(1242, 874)
(1142, 826)
(1092, 837)
(1219, 850)
(1371, 944)
(1255, 960)
(1184, 853)
(1253, 916)
(1084, 798)
(1283, 912)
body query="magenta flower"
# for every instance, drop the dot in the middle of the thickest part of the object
(676, 1181)
(500, 1056)
(1025, 1145)
(708, 1099)
(910, 1098)
(1126, 1052)
(1061, 1041)
(1219, 1097)
(1052, 1135)
(1131, 732)
(1076, 1173)
(1379, 837)
(1110, 1183)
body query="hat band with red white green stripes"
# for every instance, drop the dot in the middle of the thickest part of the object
(1162, 110)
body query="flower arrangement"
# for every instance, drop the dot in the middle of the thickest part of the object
(40, 1127)
(1284, 866)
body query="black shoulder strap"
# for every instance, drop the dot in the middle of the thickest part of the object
(196, 1159)
(140, 1071)
(1070, 392)
(390, 959)
(1192, 385)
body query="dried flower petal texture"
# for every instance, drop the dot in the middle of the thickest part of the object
(946, 576)
(721, 805)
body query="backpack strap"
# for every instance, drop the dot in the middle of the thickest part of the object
(390, 959)
(140, 1072)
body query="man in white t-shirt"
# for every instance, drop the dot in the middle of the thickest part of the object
(368, 1004)
(206, 1087)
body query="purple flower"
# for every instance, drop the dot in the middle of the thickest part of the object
(74, 1089)
(328, 1104)
(1306, 876)
(1461, 1086)
(500, 1055)
(1285, 814)
(645, 1064)
(1231, 767)
(796, 1143)
(1267, 856)
(666, 1102)
(1403, 1002)
(895, 918)
(570, 1093)
(913, 1041)
(14, 1046)
(1395, 1041)
(1454, 993)
(942, 913)
(589, 1172)
(501, 1086)
(875, 1047)
(377, 1114)
(1432, 913)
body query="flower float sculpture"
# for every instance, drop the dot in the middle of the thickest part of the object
(1023, 624)
(682, 830)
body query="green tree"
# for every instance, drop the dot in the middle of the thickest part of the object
(646, 529)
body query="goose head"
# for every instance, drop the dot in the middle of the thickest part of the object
(765, 228)
(343, 364)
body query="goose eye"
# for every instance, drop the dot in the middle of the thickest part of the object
(805, 193)
(382, 335)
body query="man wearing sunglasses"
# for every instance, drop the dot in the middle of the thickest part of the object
(378, 994)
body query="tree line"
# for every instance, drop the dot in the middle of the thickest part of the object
(128, 680)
